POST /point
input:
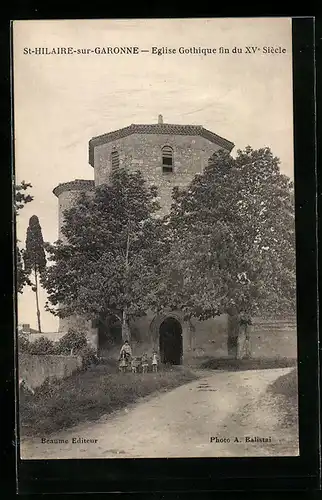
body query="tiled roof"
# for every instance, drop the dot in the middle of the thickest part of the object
(159, 128)
(76, 185)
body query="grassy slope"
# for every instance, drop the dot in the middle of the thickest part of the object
(245, 364)
(90, 394)
(286, 389)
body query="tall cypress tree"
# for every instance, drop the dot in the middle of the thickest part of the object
(35, 257)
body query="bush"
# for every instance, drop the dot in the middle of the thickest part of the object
(89, 356)
(23, 344)
(41, 346)
(73, 341)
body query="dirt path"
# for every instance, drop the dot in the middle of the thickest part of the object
(185, 423)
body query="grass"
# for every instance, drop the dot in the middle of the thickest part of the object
(88, 395)
(230, 364)
(286, 389)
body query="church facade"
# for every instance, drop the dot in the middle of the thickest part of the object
(168, 155)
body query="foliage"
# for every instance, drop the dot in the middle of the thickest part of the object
(89, 356)
(21, 274)
(231, 240)
(88, 395)
(21, 199)
(73, 340)
(34, 256)
(42, 345)
(23, 343)
(107, 263)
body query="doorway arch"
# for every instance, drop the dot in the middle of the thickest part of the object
(170, 340)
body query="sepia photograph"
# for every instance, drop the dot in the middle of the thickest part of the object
(155, 238)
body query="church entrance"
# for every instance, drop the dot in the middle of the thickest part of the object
(170, 337)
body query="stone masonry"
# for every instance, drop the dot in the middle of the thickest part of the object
(140, 147)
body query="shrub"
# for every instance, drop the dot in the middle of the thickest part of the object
(41, 346)
(73, 341)
(89, 356)
(23, 344)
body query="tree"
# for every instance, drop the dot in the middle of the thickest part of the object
(231, 240)
(107, 264)
(21, 199)
(34, 257)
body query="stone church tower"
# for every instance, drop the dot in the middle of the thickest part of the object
(168, 155)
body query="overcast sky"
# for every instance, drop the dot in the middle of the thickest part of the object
(62, 101)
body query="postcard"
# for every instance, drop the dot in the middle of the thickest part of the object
(156, 270)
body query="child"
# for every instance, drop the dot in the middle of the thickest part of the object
(134, 365)
(154, 362)
(123, 362)
(145, 363)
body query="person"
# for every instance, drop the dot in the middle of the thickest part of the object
(123, 363)
(126, 349)
(154, 362)
(135, 363)
(145, 363)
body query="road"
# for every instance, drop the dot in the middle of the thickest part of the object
(210, 417)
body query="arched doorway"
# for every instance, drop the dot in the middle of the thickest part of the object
(170, 338)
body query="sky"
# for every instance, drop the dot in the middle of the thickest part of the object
(62, 101)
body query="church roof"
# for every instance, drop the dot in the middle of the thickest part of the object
(158, 128)
(76, 185)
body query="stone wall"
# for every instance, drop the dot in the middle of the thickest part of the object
(275, 338)
(35, 369)
(144, 152)
(269, 338)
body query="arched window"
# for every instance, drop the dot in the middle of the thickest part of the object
(167, 159)
(115, 160)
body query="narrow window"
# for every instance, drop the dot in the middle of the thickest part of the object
(115, 160)
(167, 159)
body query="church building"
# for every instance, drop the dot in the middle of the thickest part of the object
(168, 155)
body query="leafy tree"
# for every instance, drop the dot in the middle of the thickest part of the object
(106, 264)
(231, 243)
(21, 199)
(22, 277)
(34, 257)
